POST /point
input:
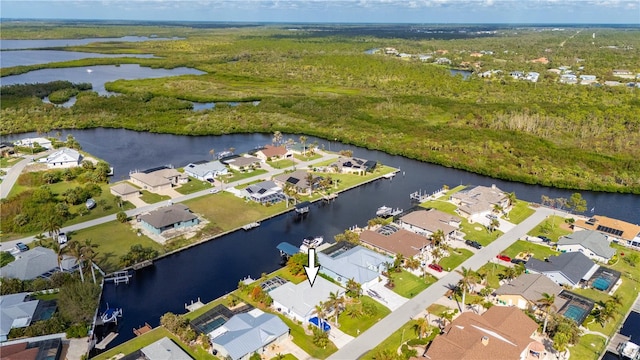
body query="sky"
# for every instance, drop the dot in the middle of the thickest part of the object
(341, 11)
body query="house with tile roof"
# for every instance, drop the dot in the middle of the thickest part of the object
(169, 217)
(344, 261)
(480, 201)
(273, 153)
(206, 170)
(427, 222)
(248, 333)
(299, 180)
(64, 158)
(158, 179)
(500, 333)
(618, 231)
(164, 349)
(525, 291)
(393, 240)
(298, 301)
(244, 163)
(568, 268)
(591, 243)
(39, 262)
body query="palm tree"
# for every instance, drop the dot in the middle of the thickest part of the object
(303, 140)
(436, 253)
(277, 138)
(468, 278)
(497, 209)
(510, 273)
(547, 303)
(511, 198)
(412, 263)
(494, 224)
(75, 249)
(321, 313)
(335, 302)
(398, 262)
(51, 224)
(354, 288)
(310, 181)
(59, 250)
(446, 316)
(437, 237)
(90, 254)
(421, 326)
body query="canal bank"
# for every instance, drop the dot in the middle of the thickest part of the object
(629, 331)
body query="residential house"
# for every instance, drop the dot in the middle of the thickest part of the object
(443, 61)
(500, 333)
(273, 153)
(158, 179)
(476, 54)
(393, 240)
(525, 291)
(299, 301)
(555, 71)
(248, 333)
(587, 79)
(532, 76)
(266, 192)
(33, 142)
(591, 243)
(16, 311)
(6, 149)
(64, 158)
(427, 222)
(623, 72)
(517, 75)
(404, 55)
(164, 349)
(39, 262)
(169, 217)
(480, 201)
(568, 79)
(425, 57)
(612, 83)
(24, 349)
(490, 73)
(299, 180)
(244, 163)
(125, 191)
(617, 231)
(568, 269)
(352, 165)
(343, 262)
(205, 170)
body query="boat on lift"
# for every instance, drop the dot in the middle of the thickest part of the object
(111, 315)
(311, 242)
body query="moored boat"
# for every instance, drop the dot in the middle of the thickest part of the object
(311, 242)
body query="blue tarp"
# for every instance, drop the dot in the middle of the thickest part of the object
(288, 249)
(314, 321)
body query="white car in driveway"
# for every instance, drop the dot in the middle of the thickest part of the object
(214, 191)
(62, 238)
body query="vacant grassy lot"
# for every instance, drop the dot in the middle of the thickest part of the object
(237, 175)
(520, 212)
(552, 227)
(8, 162)
(455, 258)
(281, 164)
(307, 157)
(351, 325)
(409, 285)
(492, 272)
(152, 198)
(114, 239)
(590, 347)
(194, 185)
(537, 250)
(391, 344)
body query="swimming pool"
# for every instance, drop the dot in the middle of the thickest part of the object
(212, 325)
(601, 283)
(576, 313)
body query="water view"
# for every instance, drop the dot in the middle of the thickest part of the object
(35, 57)
(8, 44)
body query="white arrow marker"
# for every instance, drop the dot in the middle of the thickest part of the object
(312, 269)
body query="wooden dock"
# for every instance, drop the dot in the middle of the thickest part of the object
(142, 264)
(329, 197)
(142, 329)
(194, 305)
(109, 338)
(119, 277)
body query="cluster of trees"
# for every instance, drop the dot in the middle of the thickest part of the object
(575, 203)
(138, 253)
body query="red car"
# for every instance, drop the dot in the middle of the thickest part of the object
(436, 267)
(504, 258)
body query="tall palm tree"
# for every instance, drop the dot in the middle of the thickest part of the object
(334, 302)
(421, 326)
(303, 140)
(277, 138)
(437, 237)
(547, 303)
(51, 223)
(511, 198)
(354, 288)
(90, 254)
(321, 313)
(74, 249)
(510, 273)
(59, 250)
(468, 278)
(310, 181)
(446, 316)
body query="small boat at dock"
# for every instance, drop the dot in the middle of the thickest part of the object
(251, 226)
(385, 211)
(311, 242)
(111, 315)
(629, 350)
(389, 175)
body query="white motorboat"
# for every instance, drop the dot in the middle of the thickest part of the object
(311, 242)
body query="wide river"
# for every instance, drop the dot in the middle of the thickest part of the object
(215, 267)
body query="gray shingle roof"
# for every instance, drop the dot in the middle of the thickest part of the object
(201, 170)
(591, 240)
(168, 215)
(530, 287)
(302, 298)
(358, 263)
(14, 310)
(165, 349)
(573, 265)
(31, 264)
(248, 332)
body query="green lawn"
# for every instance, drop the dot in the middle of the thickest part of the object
(281, 164)
(114, 239)
(308, 156)
(8, 162)
(453, 191)
(285, 357)
(194, 185)
(305, 342)
(539, 251)
(441, 205)
(351, 325)
(409, 285)
(437, 309)
(391, 344)
(492, 271)
(590, 347)
(520, 212)
(149, 338)
(5, 258)
(455, 258)
(237, 175)
(552, 227)
(152, 198)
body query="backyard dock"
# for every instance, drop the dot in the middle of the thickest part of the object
(194, 305)
(142, 329)
(119, 277)
(615, 342)
(251, 226)
(109, 338)
(142, 264)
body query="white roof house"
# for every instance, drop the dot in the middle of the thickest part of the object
(265, 192)
(15, 312)
(164, 349)
(591, 243)
(248, 333)
(358, 263)
(34, 263)
(479, 201)
(298, 301)
(205, 170)
(32, 142)
(64, 158)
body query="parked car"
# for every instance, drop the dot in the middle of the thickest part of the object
(518, 261)
(435, 267)
(214, 191)
(544, 239)
(62, 238)
(22, 247)
(492, 216)
(504, 258)
(90, 204)
(473, 243)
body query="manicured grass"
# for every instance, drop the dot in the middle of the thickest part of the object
(285, 357)
(409, 285)
(8, 162)
(114, 239)
(308, 156)
(237, 175)
(437, 309)
(149, 338)
(305, 342)
(286, 274)
(492, 271)
(552, 227)
(5, 258)
(590, 347)
(281, 164)
(405, 333)
(537, 250)
(152, 198)
(453, 191)
(351, 325)
(455, 258)
(441, 205)
(520, 212)
(194, 185)
(479, 233)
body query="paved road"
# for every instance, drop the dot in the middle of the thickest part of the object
(141, 210)
(387, 326)
(15, 171)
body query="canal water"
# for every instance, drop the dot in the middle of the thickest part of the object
(631, 328)
(214, 268)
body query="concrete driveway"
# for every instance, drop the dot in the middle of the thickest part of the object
(387, 297)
